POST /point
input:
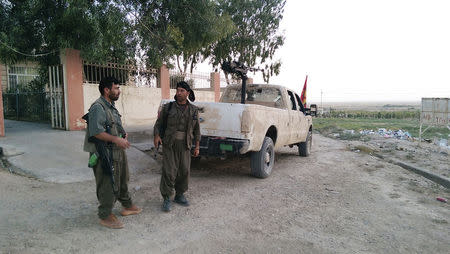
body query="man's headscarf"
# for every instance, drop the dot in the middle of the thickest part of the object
(186, 86)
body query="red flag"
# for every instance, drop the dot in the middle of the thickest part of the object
(303, 96)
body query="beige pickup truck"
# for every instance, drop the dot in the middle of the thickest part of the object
(271, 117)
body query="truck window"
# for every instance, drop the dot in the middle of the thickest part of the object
(292, 100)
(299, 103)
(261, 95)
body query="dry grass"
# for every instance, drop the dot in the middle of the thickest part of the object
(365, 149)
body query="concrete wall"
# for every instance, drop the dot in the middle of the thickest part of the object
(204, 96)
(200, 95)
(138, 105)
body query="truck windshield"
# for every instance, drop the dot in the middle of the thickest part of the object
(266, 96)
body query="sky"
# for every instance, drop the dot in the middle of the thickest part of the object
(366, 51)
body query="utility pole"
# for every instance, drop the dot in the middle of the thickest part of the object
(321, 105)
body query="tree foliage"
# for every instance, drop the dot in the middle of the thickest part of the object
(99, 29)
(179, 33)
(256, 38)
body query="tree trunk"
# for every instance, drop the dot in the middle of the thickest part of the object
(226, 78)
(178, 63)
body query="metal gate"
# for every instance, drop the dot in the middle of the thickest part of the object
(57, 104)
(26, 106)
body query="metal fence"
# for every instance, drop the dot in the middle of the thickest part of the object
(231, 80)
(126, 73)
(223, 80)
(56, 89)
(195, 80)
(27, 106)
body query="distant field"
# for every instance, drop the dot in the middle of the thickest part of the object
(371, 106)
(330, 125)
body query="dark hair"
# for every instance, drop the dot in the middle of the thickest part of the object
(107, 82)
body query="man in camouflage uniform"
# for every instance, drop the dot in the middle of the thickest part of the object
(105, 125)
(182, 127)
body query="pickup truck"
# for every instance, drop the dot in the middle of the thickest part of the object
(271, 117)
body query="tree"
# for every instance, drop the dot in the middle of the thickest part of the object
(37, 30)
(99, 29)
(200, 25)
(178, 32)
(181, 33)
(256, 38)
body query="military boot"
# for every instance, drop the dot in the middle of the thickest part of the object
(180, 199)
(167, 205)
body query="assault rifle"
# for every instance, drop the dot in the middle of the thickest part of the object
(104, 150)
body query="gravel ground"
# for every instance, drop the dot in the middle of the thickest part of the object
(428, 156)
(335, 201)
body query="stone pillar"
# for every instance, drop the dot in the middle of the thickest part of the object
(73, 89)
(2, 119)
(249, 81)
(4, 77)
(164, 81)
(215, 85)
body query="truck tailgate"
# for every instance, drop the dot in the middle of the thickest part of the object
(220, 119)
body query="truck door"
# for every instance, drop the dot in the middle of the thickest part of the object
(303, 123)
(294, 120)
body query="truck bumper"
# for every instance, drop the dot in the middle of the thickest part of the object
(216, 146)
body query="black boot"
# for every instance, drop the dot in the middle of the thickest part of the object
(180, 199)
(167, 205)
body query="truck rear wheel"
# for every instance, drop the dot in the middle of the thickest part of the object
(304, 148)
(261, 162)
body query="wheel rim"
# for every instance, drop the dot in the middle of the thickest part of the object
(267, 157)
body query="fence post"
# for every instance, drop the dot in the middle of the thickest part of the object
(42, 102)
(215, 84)
(73, 88)
(164, 81)
(2, 119)
(17, 104)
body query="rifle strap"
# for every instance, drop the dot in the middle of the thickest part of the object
(165, 117)
(109, 116)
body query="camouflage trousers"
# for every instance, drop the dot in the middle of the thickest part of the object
(175, 169)
(105, 194)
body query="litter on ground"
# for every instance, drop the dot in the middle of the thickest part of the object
(399, 134)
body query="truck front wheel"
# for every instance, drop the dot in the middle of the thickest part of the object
(304, 148)
(261, 162)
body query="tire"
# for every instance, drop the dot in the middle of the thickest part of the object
(261, 162)
(304, 148)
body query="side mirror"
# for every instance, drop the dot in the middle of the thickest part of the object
(307, 111)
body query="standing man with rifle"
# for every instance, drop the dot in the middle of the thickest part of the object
(176, 128)
(107, 140)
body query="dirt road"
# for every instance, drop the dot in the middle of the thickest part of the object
(335, 201)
